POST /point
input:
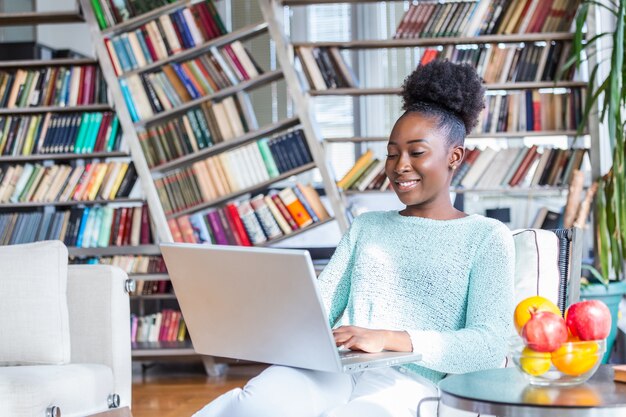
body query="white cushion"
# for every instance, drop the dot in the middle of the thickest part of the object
(536, 264)
(34, 324)
(77, 389)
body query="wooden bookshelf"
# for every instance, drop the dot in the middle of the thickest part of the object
(160, 349)
(34, 63)
(68, 203)
(237, 35)
(137, 21)
(474, 136)
(40, 18)
(296, 232)
(166, 296)
(149, 276)
(314, 2)
(494, 86)
(115, 250)
(131, 128)
(440, 41)
(256, 187)
(275, 10)
(55, 109)
(259, 81)
(63, 157)
(229, 144)
(539, 191)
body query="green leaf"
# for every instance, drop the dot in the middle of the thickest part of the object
(604, 5)
(581, 18)
(596, 274)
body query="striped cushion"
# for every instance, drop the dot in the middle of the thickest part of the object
(536, 264)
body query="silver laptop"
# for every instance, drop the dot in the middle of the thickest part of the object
(261, 305)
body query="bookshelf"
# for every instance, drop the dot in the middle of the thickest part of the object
(153, 169)
(61, 151)
(40, 18)
(326, 71)
(205, 79)
(58, 149)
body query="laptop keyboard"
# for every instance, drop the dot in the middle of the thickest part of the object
(350, 354)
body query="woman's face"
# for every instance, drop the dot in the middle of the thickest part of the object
(420, 162)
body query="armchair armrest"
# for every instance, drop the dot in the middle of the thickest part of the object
(99, 316)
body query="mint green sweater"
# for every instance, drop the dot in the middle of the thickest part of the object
(448, 283)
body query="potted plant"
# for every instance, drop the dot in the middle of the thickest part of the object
(608, 97)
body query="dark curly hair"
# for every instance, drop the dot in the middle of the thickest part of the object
(452, 92)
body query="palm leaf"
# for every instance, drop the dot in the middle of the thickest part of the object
(604, 5)
(602, 235)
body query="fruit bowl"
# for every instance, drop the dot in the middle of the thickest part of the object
(571, 364)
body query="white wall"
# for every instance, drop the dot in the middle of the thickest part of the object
(16, 33)
(72, 36)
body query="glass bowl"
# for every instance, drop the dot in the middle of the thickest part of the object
(571, 364)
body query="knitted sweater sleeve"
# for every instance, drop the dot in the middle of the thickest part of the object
(334, 281)
(482, 343)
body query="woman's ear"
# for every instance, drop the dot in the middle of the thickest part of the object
(457, 153)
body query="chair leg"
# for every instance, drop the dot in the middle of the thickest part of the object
(425, 400)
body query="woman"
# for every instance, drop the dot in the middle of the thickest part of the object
(429, 279)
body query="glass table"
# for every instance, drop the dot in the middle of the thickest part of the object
(506, 392)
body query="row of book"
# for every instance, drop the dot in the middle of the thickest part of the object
(80, 227)
(503, 63)
(201, 127)
(531, 111)
(61, 183)
(431, 19)
(325, 68)
(512, 167)
(165, 36)
(52, 86)
(173, 84)
(482, 169)
(109, 13)
(165, 326)
(232, 171)
(102, 226)
(54, 133)
(152, 287)
(368, 173)
(253, 221)
(136, 264)
(131, 264)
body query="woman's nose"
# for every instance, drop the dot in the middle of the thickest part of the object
(402, 165)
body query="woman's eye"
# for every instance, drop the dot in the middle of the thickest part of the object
(391, 155)
(416, 153)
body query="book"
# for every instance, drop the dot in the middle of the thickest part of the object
(295, 207)
(251, 224)
(358, 168)
(266, 217)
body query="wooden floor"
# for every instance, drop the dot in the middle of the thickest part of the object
(179, 390)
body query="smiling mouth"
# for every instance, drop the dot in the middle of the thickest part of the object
(406, 185)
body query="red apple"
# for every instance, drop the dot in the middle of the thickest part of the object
(589, 320)
(544, 332)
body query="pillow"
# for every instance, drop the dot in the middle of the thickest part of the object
(536, 264)
(34, 324)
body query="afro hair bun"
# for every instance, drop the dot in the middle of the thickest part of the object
(455, 88)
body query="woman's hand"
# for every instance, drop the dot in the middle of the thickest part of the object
(360, 338)
(372, 340)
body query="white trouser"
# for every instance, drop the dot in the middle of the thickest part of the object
(289, 392)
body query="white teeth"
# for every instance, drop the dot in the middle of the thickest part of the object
(407, 183)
